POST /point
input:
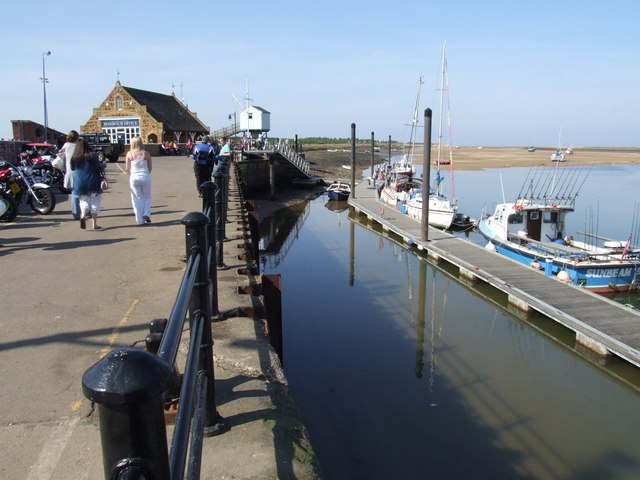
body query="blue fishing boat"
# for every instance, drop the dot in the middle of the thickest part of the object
(530, 230)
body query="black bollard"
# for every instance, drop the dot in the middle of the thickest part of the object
(196, 235)
(209, 207)
(127, 386)
(152, 341)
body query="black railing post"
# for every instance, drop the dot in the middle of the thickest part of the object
(218, 179)
(127, 385)
(196, 239)
(209, 209)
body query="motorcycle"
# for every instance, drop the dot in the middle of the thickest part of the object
(43, 169)
(17, 184)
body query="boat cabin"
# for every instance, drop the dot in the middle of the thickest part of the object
(534, 222)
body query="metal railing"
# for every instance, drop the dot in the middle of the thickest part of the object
(288, 152)
(132, 387)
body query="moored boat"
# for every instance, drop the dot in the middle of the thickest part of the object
(441, 213)
(339, 190)
(531, 231)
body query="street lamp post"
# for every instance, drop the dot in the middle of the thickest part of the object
(44, 93)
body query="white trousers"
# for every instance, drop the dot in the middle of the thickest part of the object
(141, 196)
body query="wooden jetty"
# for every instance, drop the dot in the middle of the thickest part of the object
(601, 325)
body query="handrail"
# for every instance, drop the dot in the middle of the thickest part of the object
(139, 380)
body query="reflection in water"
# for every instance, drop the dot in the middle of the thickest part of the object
(388, 392)
(278, 233)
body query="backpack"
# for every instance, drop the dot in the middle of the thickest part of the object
(202, 156)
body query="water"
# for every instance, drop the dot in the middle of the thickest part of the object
(401, 371)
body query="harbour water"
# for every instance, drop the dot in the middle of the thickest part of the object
(402, 371)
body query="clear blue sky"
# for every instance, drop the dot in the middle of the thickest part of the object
(519, 72)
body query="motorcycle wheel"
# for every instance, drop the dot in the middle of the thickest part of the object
(11, 205)
(45, 201)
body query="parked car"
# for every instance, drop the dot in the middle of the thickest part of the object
(101, 144)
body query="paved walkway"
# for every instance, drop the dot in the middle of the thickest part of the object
(72, 295)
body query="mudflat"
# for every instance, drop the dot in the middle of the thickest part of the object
(328, 162)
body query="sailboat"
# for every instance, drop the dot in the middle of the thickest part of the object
(441, 210)
(558, 156)
(399, 183)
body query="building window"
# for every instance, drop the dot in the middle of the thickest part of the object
(118, 103)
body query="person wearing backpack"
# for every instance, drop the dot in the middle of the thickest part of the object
(203, 157)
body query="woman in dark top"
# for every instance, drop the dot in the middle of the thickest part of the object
(89, 172)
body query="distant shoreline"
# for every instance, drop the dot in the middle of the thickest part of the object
(329, 163)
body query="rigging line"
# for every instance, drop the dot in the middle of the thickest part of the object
(542, 185)
(584, 180)
(522, 187)
(566, 183)
(573, 180)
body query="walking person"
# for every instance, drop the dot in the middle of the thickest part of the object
(203, 156)
(87, 179)
(225, 153)
(138, 166)
(67, 151)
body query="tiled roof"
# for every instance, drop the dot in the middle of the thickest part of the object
(168, 110)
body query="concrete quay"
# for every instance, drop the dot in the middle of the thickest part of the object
(81, 293)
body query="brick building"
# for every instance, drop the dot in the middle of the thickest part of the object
(157, 118)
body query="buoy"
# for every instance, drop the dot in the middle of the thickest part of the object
(564, 276)
(536, 265)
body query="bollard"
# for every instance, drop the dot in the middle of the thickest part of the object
(218, 179)
(152, 341)
(209, 206)
(196, 241)
(127, 386)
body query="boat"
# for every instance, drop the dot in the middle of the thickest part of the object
(440, 212)
(339, 190)
(398, 189)
(558, 156)
(463, 223)
(531, 149)
(530, 230)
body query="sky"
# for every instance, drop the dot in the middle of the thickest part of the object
(520, 73)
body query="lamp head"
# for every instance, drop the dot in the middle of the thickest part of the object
(47, 53)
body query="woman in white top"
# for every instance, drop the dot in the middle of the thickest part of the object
(68, 148)
(138, 166)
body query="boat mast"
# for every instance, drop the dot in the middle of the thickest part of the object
(440, 130)
(414, 122)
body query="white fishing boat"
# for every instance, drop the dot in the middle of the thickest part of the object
(531, 231)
